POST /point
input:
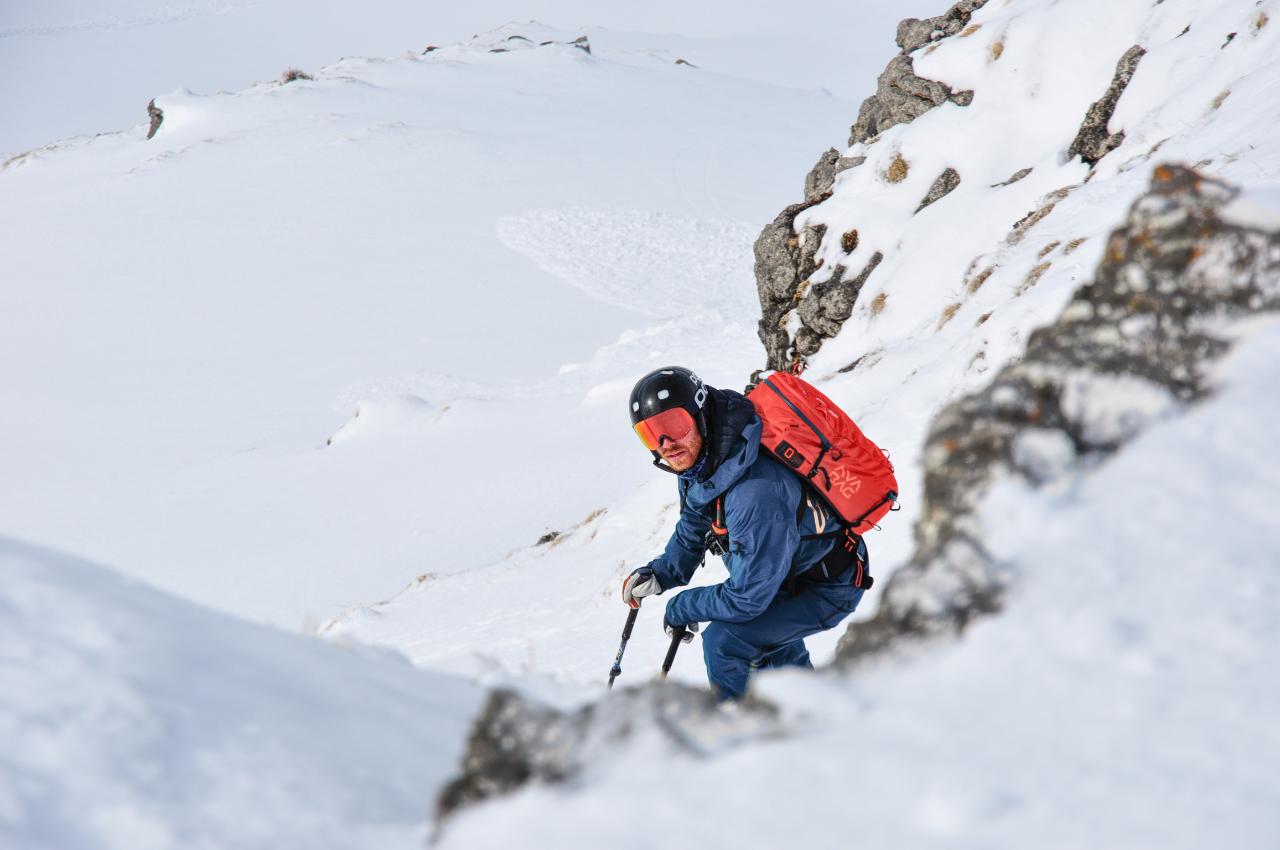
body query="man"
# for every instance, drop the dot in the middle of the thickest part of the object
(787, 579)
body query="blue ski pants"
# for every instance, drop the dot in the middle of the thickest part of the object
(776, 637)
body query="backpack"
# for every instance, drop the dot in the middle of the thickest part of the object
(818, 441)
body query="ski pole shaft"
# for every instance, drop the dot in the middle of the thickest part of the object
(626, 636)
(677, 637)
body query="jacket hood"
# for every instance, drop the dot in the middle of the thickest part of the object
(733, 444)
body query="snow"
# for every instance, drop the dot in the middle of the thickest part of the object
(1124, 698)
(151, 47)
(214, 304)
(135, 720)
(317, 342)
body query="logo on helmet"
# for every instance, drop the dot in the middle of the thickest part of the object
(700, 396)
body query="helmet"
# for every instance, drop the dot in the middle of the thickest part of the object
(663, 389)
(668, 389)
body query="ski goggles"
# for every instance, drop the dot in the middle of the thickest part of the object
(674, 424)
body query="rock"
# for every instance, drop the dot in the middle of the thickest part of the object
(292, 74)
(1017, 175)
(516, 742)
(779, 262)
(1093, 141)
(1133, 344)
(826, 306)
(947, 180)
(822, 176)
(913, 34)
(901, 97)
(156, 114)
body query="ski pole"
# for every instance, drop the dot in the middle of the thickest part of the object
(677, 637)
(626, 636)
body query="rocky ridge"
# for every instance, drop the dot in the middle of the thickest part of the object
(1175, 278)
(785, 259)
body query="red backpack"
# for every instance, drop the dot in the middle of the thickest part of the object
(817, 440)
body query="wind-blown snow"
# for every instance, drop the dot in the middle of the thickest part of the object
(138, 721)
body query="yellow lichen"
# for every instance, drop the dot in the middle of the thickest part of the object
(1220, 99)
(982, 320)
(1047, 249)
(976, 283)
(1033, 277)
(898, 169)
(1074, 244)
(997, 50)
(948, 314)
(970, 30)
(1259, 22)
(877, 303)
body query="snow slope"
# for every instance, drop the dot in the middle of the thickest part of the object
(1125, 699)
(454, 266)
(80, 67)
(135, 720)
(922, 333)
(454, 262)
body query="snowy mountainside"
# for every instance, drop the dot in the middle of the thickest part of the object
(1125, 674)
(449, 263)
(1122, 699)
(962, 285)
(132, 719)
(54, 51)
(954, 229)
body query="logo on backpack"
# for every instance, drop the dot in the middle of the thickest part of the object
(845, 482)
(788, 453)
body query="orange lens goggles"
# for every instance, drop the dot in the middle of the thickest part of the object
(674, 424)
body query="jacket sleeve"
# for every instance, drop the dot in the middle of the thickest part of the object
(763, 540)
(685, 550)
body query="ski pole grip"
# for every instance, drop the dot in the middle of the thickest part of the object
(677, 636)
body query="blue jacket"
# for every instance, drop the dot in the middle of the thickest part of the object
(761, 501)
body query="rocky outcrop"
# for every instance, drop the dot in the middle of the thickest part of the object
(516, 741)
(822, 176)
(1150, 325)
(902, 96)
(157, 118)
(1093, 141)
(948, 180)
(785, 258)
(827, 305)
(914, 33)
(784, 261)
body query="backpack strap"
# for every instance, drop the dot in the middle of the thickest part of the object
(717, 537)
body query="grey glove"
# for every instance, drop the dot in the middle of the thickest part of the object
(642, 582)
(690, 629)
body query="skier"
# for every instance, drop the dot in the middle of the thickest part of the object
(783, 585)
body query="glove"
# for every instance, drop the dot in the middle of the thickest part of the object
(690, 629)
(642, 582)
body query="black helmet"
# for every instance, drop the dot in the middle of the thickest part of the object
(664, 389)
